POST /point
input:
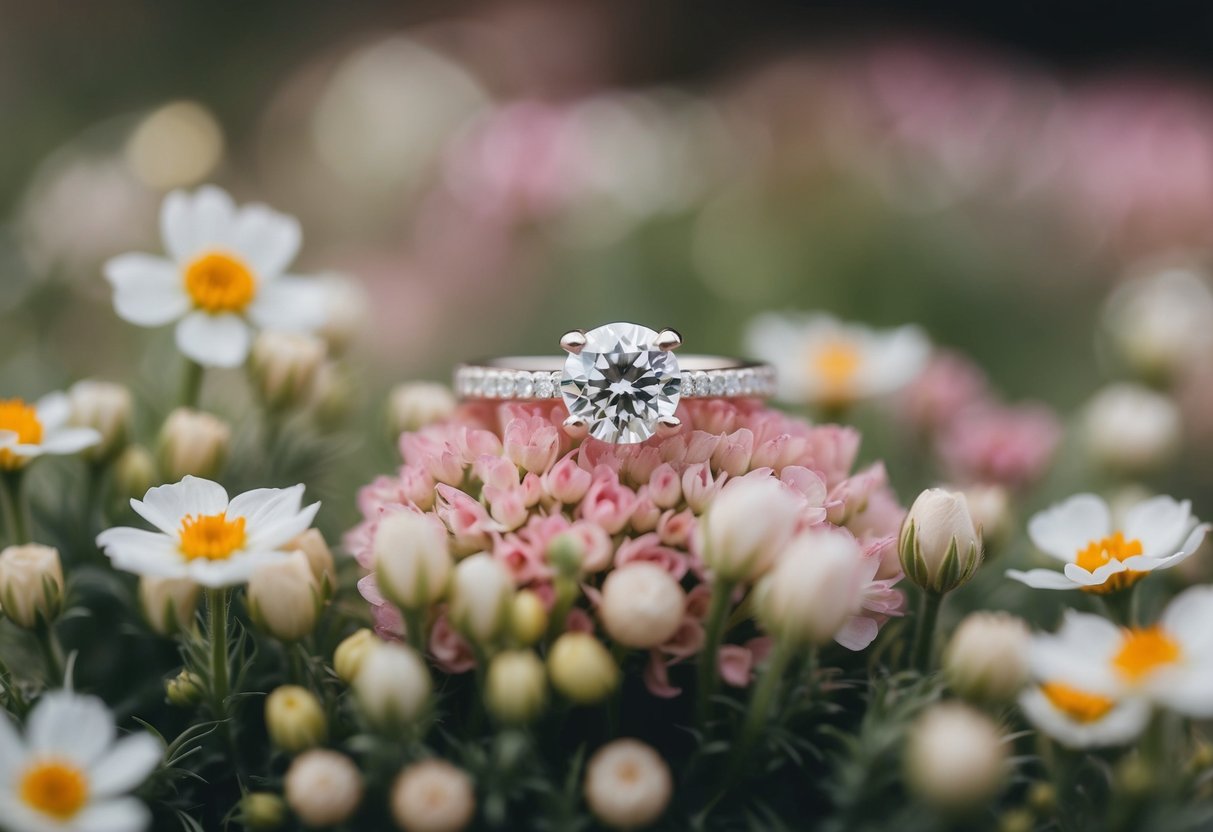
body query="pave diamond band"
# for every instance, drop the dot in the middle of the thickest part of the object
(502, 380)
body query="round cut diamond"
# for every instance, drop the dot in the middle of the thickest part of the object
(621, 383)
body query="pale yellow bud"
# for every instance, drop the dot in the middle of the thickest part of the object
(262, 811)
(955, 758)
(334, 395)
(582, 669)
(135, 471)
(987, 658)
(528, 618)
(642, 605)
(319, 556)
(393, 686)
(295, 719)
(106, 408)
(193, 442)
(184, 690)
(480, 598)
(516, 686)
(323, 787)
(31, 584)
(284, 366)
(433, 796)
(627, 784)
(284, 599)
(414, 405)
(168, 604)
(351, 652)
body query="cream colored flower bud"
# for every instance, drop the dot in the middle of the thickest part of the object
(433, 796)
(412, 560)
(284, 366)
(334, 396)
(1130, 429)
(481, 593)
(393, 686)
(987, 659)
(185, 689)
(106, 408)
(528, 617)
(347, 311)
(813, 589)
(992, 513)
(323, 788)
(352, 652)
(135, 471)
(284, 599)
(642, 605)
(193, 442)
(582, 669)
(31, 584)
(168, 604)
(955, 758)
(746, 527)
(262, 811)
(417, 404)
(516, 688)
(295, 719)
(940, 546)
(319, 556)
(627, 785)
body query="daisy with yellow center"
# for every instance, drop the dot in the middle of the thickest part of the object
(205, 537)
(70, 771)
(1156, 534)
(28, 431)
(223, 277)
(826, 362)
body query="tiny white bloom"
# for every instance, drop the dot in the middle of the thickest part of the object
(71, 772)
(821, 360)
(204, 536)
(223, 277)
(30, 431)
(1156, 533)
(1131, 429)
(1168, 664)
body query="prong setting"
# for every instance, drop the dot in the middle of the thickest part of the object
(573, 341)
(668, 339)
(668, 426)
(576, 427)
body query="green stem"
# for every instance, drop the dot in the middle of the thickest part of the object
(414, 625)
(191, 383)
(52, 652)
(216, 604)
(922, 656)
(12, 504)
(714, 627)
(763, 699)
(566, 594)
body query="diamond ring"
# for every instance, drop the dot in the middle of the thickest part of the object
(621, 382)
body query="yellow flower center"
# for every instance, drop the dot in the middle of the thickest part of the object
(835, 363)
(1078, 705)
(21, 419)
(1099, 552)
(55, 788)
(219, 283)
(211, 536)
(1145, 650)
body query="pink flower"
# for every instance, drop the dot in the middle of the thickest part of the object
(675, 528)
(567, 481)
(736, 662)
(507, 506)
(532, 444)
(648, 547)
(607, 502)
(436, 456)
(665, 486)
(466, 520)
(646, 515)
(450, 651)
(992, 443)
(949, 384)
(700, 485)
(733, 452)
(596, 545)
(851, 496)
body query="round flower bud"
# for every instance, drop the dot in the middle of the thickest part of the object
(412, 560)
(480, 598)
(352, 652)
(135, 472)
(1130, 429)
(295, 719)
(433, 796)
(319, 557)
(642, 605)
(168, 604)
(347, 309)
(990, 506)
(193, 442)
(334, 395)
(516, 687)
(955, 758)
(627, 785)
(417, 404)
(582, 669)
(566, 553)
(1161, 322)
(732, 544)
(283, 598)
(31, 584)
(106, 408)
(393, 686)
(987, 659)
(262, 811)
(284, 366)
(939, 545)
(323, 787)
(184, 690)
(528, 617)
(813, 589)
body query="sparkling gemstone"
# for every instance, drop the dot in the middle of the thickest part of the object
(524, 388)
(621, 383)
(543, 386)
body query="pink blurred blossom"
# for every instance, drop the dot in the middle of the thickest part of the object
(995, 443)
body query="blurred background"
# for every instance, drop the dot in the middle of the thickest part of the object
(489, 174)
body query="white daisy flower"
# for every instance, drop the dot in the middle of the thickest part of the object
(223, 278)
(1168, 664)
(204, 536)
(821, 360)
(1078, 719)
(70, 772)
(1156, 534)
(30, 431)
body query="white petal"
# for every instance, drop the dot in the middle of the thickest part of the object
(267, 505)
(54, 409)
(893, 360)
(127, 540)
(1041, 579)
(280, 531)
(214, 340)
(267, 240)
(18, 817)
(1189, 618)
(70, 440)
(1160, 523)
(191, 224)
(1064, 529)
(289, 304)
(857, 633)
(230, 572)
(125, 814)
(1188, 548)
(126, 765)
(1099, 577)
(148, 290)
(165, 506)
(1189, 693)
(1121, 725)
(66, 724)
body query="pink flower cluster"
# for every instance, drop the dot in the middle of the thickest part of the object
(508, 480)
